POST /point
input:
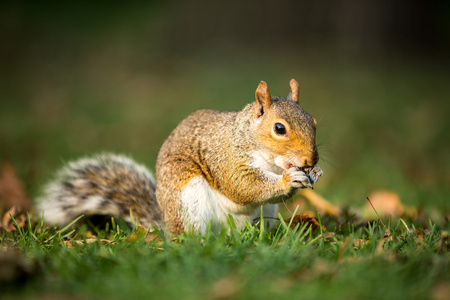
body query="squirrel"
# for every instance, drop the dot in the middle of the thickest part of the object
(213, 165)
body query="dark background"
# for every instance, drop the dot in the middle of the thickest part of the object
(77, 79)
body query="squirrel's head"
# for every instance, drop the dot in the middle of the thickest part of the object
(285, 129)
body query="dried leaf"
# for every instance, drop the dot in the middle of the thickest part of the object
(71, 243)
(321, 204)
(359, 243)
(90, 234)
(19, 215)
(327, 235)
(138, 235)
(302, 219)
(386, 203)
(12, 192)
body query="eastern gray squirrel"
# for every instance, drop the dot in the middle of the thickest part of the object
(214, 164)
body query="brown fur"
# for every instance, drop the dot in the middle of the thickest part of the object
(215, 145)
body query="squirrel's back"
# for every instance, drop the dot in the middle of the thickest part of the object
(104, 185)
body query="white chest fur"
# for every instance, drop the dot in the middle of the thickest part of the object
(202, 205)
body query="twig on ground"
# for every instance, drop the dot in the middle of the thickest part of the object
(375, 211)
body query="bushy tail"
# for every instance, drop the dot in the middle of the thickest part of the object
(104, 185)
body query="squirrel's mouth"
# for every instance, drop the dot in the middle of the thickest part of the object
(305, 169)
(288, 163)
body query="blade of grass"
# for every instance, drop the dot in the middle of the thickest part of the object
(261, 225)
(17, 227)
(64, 229)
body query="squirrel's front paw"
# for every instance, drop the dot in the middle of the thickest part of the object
(297, 178)
(314, 174)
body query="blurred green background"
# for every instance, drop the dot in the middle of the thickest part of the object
(77, 79)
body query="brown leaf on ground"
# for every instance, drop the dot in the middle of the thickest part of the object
(386, 203)
(12, 191)
(320, 203)
(138, 235)
(19, 215)
(71, 243)
(13, 199)
(90, 234)
(143, 233)
(302, 219)
(359, 243)
(328, 235)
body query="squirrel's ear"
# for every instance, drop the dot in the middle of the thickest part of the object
(293, 95)
(263, 99)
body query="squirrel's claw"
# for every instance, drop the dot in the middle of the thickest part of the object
(298, 178)
(314, 174)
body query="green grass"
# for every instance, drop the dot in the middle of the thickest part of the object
(409, 264)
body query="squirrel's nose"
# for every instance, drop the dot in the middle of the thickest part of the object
(308, 161)
(304, 161)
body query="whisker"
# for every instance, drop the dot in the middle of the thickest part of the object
(323, 121)
(328, 162)
(285, 205)
(324, 143)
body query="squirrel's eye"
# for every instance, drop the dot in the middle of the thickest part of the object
(279, 129)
